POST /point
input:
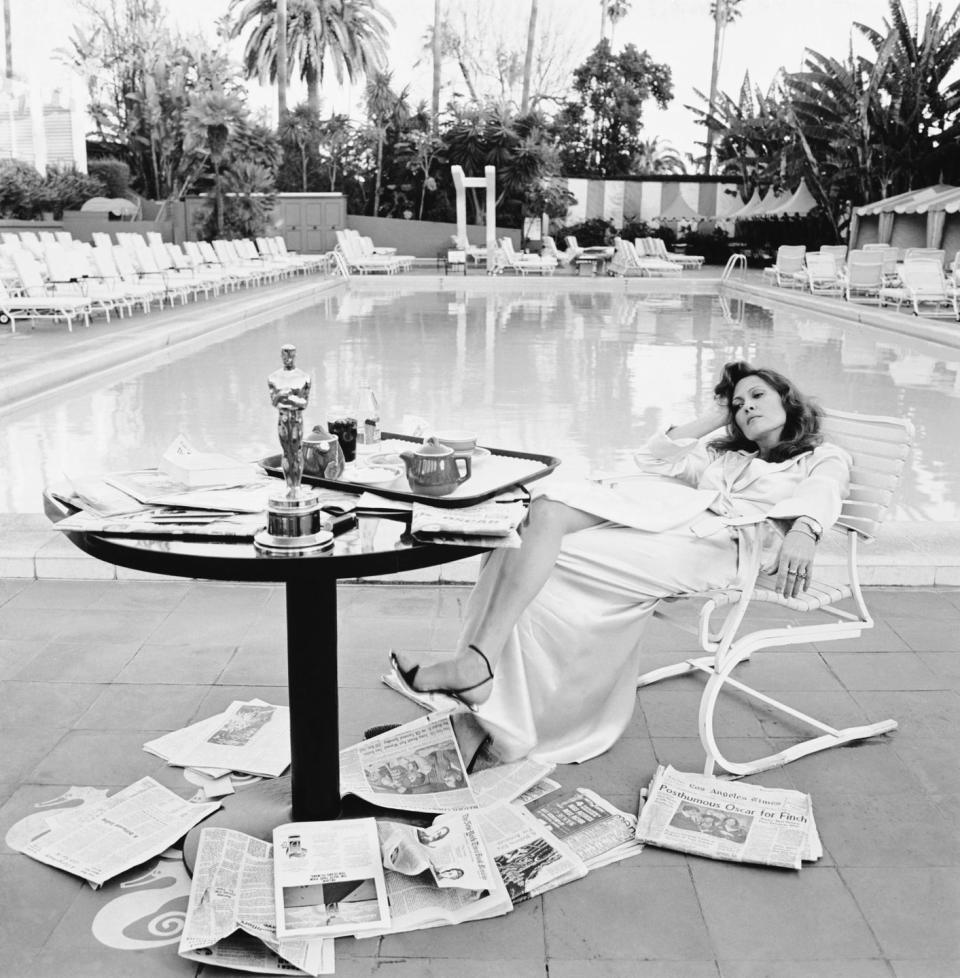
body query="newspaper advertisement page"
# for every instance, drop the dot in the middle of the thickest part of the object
(101, 840)
(530, 858)
(328, 879)
(416, 767)
(726, 820)
(231, 917)
(251, 737)
(594, 829)
(452, 850)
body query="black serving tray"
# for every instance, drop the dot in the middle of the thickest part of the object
(486, 483)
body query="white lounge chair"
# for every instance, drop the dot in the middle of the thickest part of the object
(863, 276)
(626, 261)
(788, 270)
(823, 276)
(922, 281)
(37, 300)
(349, 249)
(523, 264)
(657, 248)
(69, 273)
(474, 253)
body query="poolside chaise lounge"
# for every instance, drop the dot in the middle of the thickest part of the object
(863, 275)
(474, 253)
(37, 300)
(922, 281)
(506, 258)
(788, 270)
(822, 275)
(355, 261)
(657, 248)
(626, 261)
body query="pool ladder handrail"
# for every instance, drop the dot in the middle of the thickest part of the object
(739, 259)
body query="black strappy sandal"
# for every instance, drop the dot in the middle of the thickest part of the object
(407, 676)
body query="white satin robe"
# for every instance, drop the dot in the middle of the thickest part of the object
(564, 687)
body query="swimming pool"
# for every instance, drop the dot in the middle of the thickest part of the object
(585, 375)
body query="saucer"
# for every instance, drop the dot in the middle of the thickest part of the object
(372, 475)
(475, 453)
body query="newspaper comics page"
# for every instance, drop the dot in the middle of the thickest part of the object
(328, 879)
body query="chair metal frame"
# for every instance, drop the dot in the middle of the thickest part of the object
(879, 447)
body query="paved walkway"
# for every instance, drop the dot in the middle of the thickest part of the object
(90, 670)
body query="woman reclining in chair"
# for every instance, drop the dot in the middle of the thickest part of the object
(550, 646)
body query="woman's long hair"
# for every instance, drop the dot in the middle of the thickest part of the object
(801, 431)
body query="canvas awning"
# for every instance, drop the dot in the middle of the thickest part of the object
(939, 196)
(800, 203)
(771, 201)
(748, 208)
(679, 210)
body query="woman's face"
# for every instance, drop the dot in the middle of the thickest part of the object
(758, 412)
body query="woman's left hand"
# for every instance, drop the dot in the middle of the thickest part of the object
(795, 565)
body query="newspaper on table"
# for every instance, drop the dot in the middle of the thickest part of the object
(328, 879)
(595, 830)
(231, 917)
(531, 859)
(735, 821)
(103, 839)
(166, 523)
(154, 487)
(418, 767)
(454, 856)
(490, 523)
(253, 737)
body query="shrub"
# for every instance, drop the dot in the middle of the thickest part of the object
(589, 233)
(114, 174)
(20, 190)
(714, 246)
(66, 188)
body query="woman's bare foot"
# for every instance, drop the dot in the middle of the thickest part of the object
(467, 677)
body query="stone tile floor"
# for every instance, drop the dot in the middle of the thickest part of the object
(91, 669)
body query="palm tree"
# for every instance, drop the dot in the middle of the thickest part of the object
(614, 11)
(528, 58)
(349, 34)
(723, 12)
(657, 156)
(385, 108)
(283, 66)
(7, 39)
(437, 55)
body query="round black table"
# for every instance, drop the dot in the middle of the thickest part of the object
(378, 545)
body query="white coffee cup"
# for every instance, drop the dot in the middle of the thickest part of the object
(459, 441)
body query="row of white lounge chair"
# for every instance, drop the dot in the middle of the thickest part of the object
(873, 274)
(50, 275)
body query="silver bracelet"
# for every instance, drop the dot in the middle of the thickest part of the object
(806, 531)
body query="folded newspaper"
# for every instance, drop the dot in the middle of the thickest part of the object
(103, 839)
(492, 523)
(740, 822)
(251, 737)
(418, 767)
(231, 918)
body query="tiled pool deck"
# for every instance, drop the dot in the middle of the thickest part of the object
(90, 669)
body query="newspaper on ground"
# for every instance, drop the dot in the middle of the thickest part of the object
(179, 741)
(418, 767)
(103, 839)
(231, 916)
(736, 821)
(422, 900)
(252, 737)
(328, 879)
(598, 832)
(531, 859)
(451, 850)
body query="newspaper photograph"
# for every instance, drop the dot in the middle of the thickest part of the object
(416, 767)
(250, 737)
(722, 819)
(328, 879)
(231, 916)
(531, 860)
(103, 839)
(594, 829)
(452, 850)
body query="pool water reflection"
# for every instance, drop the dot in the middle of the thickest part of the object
(584, 376)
